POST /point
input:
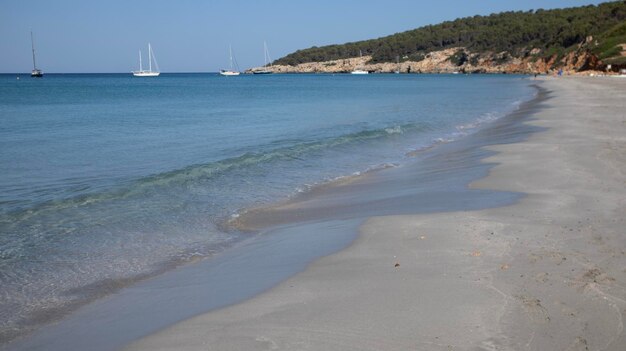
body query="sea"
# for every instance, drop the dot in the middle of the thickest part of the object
(108, 179)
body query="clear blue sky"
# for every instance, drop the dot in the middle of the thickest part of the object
(193, 36)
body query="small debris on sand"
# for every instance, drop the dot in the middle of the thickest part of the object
(476, 253)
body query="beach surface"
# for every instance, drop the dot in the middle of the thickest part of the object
(546, 273)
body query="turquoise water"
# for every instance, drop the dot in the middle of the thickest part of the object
(107, 178)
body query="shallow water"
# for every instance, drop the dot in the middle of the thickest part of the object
(107, 178)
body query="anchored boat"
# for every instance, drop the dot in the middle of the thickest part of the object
(35, 72)
(267, 61)
(233, 65)
(149, 72)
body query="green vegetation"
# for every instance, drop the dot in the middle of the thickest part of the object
(608, 48)
(552, 31)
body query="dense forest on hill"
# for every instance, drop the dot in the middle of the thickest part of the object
(554, 32)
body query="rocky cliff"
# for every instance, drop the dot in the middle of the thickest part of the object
(462, 60)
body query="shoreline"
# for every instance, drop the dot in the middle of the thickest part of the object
(350, 196)
(546, 272)
(184, 275)
(107, 287)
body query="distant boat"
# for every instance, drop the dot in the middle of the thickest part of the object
(398, 63)
(233, 65)
(267, 60)
(35, 72)
(358, 70)
(149, 72)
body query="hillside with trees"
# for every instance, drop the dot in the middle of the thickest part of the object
(540, 34)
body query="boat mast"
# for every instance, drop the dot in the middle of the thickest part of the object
(140, 68)
(266, 55)
(149, 58)
(32, 44)
(230, 51)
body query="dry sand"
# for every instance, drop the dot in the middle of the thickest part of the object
(547, 273)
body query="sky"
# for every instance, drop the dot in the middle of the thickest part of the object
(82, 36)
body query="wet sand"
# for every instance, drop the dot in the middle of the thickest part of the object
(546, 273)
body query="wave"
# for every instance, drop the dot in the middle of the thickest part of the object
(188, 176)
(462, 130)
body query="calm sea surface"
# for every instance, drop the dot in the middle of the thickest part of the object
(109, 178)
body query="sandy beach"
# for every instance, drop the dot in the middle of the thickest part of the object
(546, 273)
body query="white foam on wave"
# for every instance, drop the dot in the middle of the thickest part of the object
(462, 130)
(394, 130)
(329, 180)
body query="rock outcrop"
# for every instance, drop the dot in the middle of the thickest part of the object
(460, 59)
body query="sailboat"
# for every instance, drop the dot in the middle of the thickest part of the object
(149, 72)
(398, 63)
(358, 70)
(233, 65)
(267, 60)
(35, 72)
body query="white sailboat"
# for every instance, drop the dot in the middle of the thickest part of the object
(35, 72)
(233, 65)
(149, 72)
(358, 70)
(267, 60)
(398, 63)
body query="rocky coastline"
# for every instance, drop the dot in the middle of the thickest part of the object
(461, 60)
